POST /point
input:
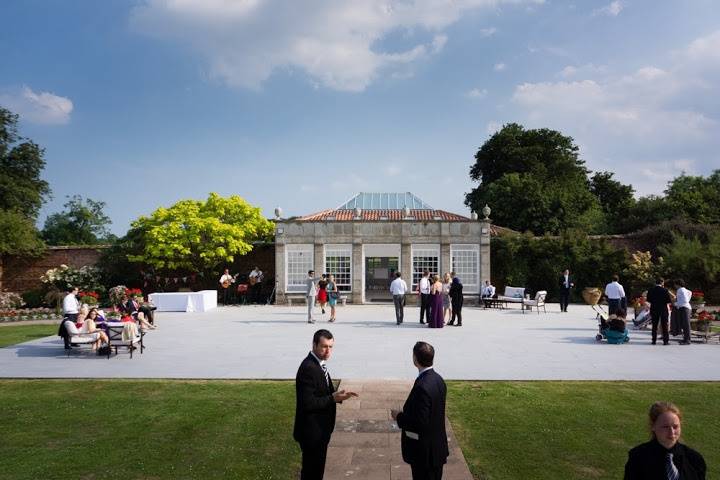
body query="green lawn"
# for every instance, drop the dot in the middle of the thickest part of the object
(572, 430)
(159, 429)
(147, 429)
(12, 334)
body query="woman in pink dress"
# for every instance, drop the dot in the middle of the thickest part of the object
(437, 317)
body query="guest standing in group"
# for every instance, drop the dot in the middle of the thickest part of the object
(423, 439)
(332, 294)
(615, 294)
(457, 299)
(659, 299)
(664, 457)
(71, 306)
(398, 289)
(566, 284)
(315, 399)
(683, 308)
(424, 290)
(487, 293)
(446, 282)
(437, 319)
(322, 296)
(310, 293)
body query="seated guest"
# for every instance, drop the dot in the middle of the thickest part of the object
(664, 457)
(487, 293)
(71, 330)
(615, 329)
(134, 306)
(144, 324)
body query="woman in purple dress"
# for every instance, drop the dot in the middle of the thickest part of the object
(437, 318)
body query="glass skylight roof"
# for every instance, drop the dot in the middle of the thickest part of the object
(385, 201)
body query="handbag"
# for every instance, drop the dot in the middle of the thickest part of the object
(334, 295)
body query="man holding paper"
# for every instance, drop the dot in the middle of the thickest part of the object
(422, 419)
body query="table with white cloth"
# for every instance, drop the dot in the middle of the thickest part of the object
(201, 301)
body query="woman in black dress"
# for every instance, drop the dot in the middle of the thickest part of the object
(664, 457)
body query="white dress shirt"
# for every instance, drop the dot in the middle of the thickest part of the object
(424, 285)
(70, 304)
(614, 291)
(488, 291)
(398, 287)
(683, 298)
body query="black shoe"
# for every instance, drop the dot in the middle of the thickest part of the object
(459, 324)
(654, 343)
(323, 311)
(451, 323)
(684, 343)
(422, 323)
(666, 343)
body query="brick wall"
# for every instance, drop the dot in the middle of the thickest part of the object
(20, 274)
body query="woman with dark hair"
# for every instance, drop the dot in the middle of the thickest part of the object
(664, 457)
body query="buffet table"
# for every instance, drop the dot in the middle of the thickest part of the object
(201, 301)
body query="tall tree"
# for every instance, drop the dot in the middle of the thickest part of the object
(534, 180)
(616, 200)
(21, 163)
(695, 197)
(83, 222)
(197, 235)
(22, 191)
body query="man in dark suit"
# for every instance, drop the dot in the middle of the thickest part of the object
(658, 297)
(565, 282)
(315, 406)
(422, 419)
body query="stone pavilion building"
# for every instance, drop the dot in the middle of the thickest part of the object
(364, 241)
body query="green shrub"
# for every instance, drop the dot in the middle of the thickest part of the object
(34, 298)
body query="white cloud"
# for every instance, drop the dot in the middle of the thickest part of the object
(492, 127)
(611, 10)
(393, 170)
(488, 32)
(477, 93)
(660, 119)
(245, 41)
(43, 108)
(499, 67)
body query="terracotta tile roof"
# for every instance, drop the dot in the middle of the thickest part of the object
(378, 215)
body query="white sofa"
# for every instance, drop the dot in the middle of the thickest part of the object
(512, 295)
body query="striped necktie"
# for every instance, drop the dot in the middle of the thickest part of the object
(670, 469)
(327, 375)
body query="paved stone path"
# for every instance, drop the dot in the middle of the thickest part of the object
(366, 442)
(268, 342)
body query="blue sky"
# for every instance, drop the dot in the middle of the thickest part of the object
(300, 104)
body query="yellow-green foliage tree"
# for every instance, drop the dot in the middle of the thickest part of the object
(196, 235)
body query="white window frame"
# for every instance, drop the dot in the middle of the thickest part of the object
(423, 250)
(470, 284)
(339, 250)
(304, 249)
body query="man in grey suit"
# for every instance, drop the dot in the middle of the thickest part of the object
(311, 292)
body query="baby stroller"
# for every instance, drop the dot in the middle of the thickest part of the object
(613, 330)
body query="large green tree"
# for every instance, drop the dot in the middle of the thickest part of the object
(696, 198)
(195, 235)
(22, 191)
(534, 180)
(616, 199)
(83, 222)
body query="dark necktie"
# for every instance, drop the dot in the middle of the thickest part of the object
(327, 375)
(670, 469)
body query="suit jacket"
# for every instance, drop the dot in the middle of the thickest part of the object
(561, 281)
(314, 406)
(658, 297)
(422, 420)
(647, 462)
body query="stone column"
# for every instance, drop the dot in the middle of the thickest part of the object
(445, 260)
(484, 251)
(406, 269)
(280, 298)
(357, 273)
(318, 258)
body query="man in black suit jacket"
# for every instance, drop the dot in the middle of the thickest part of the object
(422, 419)
(565, 282)
(315, 406)
(658, 297)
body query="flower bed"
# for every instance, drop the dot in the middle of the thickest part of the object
(25, 314)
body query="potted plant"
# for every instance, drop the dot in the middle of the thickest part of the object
(697, 300)
(702, 322)
(90, 298)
